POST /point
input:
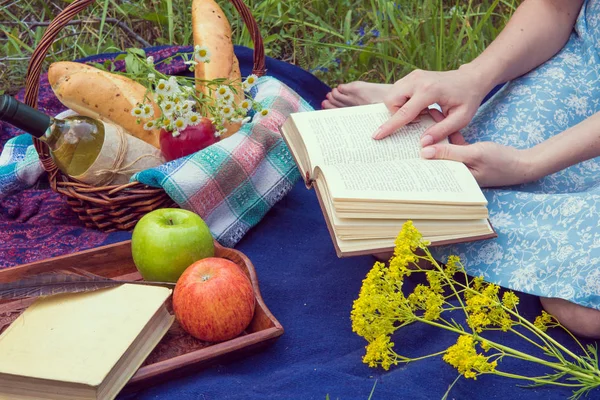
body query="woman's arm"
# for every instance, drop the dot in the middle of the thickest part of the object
(537, 31)
(495, 165)
(578, 143)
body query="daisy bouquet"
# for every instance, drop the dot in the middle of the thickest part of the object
(180, 104)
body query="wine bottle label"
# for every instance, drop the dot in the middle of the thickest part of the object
(121, 156)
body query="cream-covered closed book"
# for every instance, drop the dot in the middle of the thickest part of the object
(82, 345)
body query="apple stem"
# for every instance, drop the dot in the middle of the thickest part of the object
(170, 221)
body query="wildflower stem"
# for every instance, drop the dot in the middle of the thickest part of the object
(407, 359)
(430, 258)
(527, 339)
(537, 380)
(531, 327)
(523, 356)
(575, 340)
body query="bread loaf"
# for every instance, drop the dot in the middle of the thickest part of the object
(99, 94)
(211, 29)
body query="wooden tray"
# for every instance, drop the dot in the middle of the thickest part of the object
(177, 352)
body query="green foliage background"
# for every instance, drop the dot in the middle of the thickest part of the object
(339, 40)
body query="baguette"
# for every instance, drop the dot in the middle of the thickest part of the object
(95, 93)
(211, 29)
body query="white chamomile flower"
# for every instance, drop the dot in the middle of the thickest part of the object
(168, 108)
(185, 106)
(150, 61)
(193, 118)
(228, 98)
(263, 113)
(246, 104)
(192, 64)
(221, 132)
(167, 123)
(180, 124)
(138, 111)
(162, 87)
(151, 77)
(202, 54)
(150, 125)
(148, 110)
(159, 98)
(226, 111)
(173, 88)
(222, 91)
(249, 82)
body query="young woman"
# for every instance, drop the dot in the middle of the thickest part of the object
(536, 142)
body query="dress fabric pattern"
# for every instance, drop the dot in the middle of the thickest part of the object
(548, 236)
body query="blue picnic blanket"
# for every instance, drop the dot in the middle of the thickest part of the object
(306, 287)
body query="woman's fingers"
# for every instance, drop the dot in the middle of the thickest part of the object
(405, 114)
(454, 122)
(457, 138)
(463, 153)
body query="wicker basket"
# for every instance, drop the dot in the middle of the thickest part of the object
(116, 207)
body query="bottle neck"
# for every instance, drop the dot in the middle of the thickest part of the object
(24, 117)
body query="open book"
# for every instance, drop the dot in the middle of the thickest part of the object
(368, 188)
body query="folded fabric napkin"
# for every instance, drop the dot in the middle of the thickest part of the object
(231, 184)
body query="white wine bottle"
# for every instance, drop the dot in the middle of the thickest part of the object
(74, 142)
(87, 149)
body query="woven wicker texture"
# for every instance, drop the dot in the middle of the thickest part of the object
(117, 207)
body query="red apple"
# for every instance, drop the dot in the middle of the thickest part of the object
(192, 139)
(213, 300)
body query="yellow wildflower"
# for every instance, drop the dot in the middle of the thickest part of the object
(423, 298)
(510, 300)
(544, 321)
(453, 265)
(484, 308)
(407, 242)
(466, 360)
(380, 304)
(477, 282)
(435, 281)
(485, 345)
(379, 352)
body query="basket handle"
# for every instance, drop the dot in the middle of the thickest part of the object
(39, 55)
(32, 83)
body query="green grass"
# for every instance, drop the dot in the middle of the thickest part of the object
(340, 40)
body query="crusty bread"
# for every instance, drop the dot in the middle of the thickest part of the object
(100, 94)
(211, 29)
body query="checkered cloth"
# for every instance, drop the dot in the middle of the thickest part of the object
(20, 166)
(231, 184)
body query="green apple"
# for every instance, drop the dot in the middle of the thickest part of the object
(168, 240)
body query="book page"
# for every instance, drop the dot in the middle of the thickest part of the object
(426, 181)
(344, 136)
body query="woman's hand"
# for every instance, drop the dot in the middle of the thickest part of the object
(491, 164)
(458, 92)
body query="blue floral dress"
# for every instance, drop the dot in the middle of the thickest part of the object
(548, 231)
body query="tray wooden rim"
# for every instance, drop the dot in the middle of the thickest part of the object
(148, 373)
